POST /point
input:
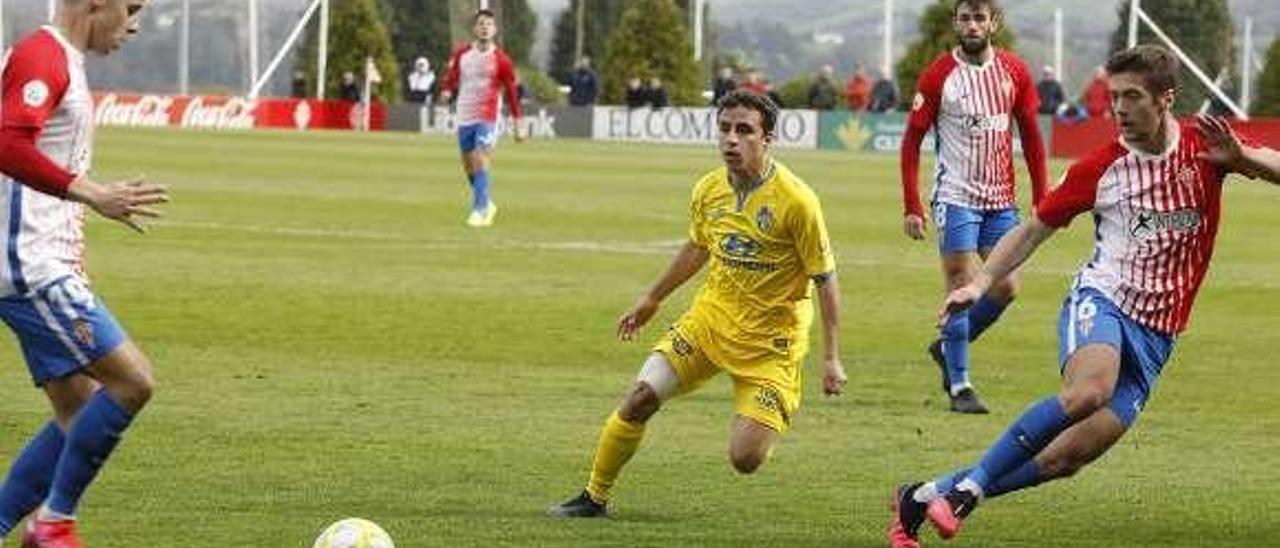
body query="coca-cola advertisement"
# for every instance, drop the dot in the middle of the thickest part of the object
(223, 113)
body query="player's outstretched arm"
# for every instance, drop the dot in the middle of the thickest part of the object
(1012, 250)
(123, 201)
(833, 376)
(1226, 151)
(687, 262)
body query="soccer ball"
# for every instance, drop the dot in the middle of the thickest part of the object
(354, 533)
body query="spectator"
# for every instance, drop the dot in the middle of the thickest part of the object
(657, 94)
(755, 83)
(299, 85)
(636, 96)
(420, 81)
(1052, 97)
(822, 93)
(884, 96)
(858, 92)
(584, 86)
(723, 85)
(1097, 96)
(350, 90)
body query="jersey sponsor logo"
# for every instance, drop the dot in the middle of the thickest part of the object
(917, 102)
(978, 123)
(741, 247)
(764, 219)
(1147, 223)
(35, 93)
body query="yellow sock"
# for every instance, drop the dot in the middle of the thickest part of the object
(618, 441)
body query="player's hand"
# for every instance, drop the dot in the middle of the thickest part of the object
(1224, 146)
(913, 226)
(631, 322)
(123, 201)
(958, 301)
(833, 377)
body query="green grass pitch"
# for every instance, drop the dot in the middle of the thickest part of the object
(331, 340)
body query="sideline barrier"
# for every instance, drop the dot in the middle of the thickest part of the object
(1076, 140)
(218, 112)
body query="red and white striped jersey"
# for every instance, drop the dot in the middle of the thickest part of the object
(1157, 218)
(974, 108)
(478, 78)
(45, 98)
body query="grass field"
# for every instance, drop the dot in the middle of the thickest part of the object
(332, 341)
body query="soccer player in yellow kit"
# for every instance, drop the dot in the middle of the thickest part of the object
(762, 230)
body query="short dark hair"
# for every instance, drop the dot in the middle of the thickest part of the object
(991, 6)
(760, 103)
(1157, 66)
(484, 13)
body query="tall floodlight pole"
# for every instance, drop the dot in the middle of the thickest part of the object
(53, 9)
(1, 25)
(1134, 7)
(322, 56)
(184, 50)
(580, 16)
(886, 64)
(1245, 63)
(253, 42)
(1057, 44)
(697, 30)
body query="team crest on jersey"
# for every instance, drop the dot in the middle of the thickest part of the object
(764, 219)
(84, 331)
(1147, 223)
(917, 101)
(35, 93)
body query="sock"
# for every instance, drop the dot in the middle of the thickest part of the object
(944, 484)
(93, 434)
(480, 190)
(1020, 443)
(983, 314)
(955, 347)
(618, 441)
(30, 477)
(1027, 475)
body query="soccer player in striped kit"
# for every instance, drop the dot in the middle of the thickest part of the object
(478, 75)
(96, 379)
(1155, 194)
(972, 96)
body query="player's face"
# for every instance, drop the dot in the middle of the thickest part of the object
(974, 28)
(112, 22)
(1138, 112)
(485, 28)
(743, 143)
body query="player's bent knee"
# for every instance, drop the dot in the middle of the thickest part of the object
(640, 404)
(1085, 398)
(746, 461)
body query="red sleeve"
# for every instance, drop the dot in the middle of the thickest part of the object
(507, 78)
(924, 112)
(33, 84)
(1025, 110)
(1078, 191)
(453, 72)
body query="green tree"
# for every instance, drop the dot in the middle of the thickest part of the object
(1268, 101)
(599, 18)
(518, 25)
(418, 28)
(651, 40)
(356, 30)
(1202, 29)
(937, 35)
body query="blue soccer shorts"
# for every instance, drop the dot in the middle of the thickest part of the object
(964, 230)
(477, 136)
(62, 328)
(1089, 317)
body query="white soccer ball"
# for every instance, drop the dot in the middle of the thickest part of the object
(354, 533)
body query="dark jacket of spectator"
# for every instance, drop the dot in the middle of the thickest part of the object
(1051, 93)
(723, 85)
(584, 86)
(657, 94)
(636, 94)
(822, 94)
(884, 96)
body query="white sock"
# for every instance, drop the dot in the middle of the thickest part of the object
(926, 493)
(46, 514)
(970, 486)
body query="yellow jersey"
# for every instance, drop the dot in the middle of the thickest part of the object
(765, 248)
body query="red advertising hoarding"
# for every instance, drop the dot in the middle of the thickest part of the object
(1076, 140)
(215, 112)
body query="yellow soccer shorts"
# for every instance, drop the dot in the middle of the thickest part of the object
(766, 390)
